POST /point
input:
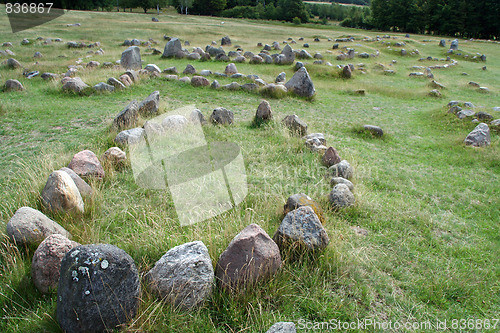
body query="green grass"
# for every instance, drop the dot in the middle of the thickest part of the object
(430, 204)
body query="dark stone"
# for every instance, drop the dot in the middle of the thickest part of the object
(99, 289)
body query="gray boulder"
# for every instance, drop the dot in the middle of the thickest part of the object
(341, 196)
(98, 290)
(346, 72)
(46, 261)
(131, 58)
(222, 116)
(13, 85)
(454, 45)
(251, 256)
(150, 105)
(374, 130)
(152, 68)
(289, 55)
(442, 43)
(114, 157)
(295, 125)
(13, 63)
(479, 137)
(197, 117)
(301, 83)
(103, 87)
(173, 49)
(130, 136)
(128, 116)
(116, 83)
(342, 169)
(231, 69)
(29, 227)
(174, 123)
(339, 180)
(61, 194)
(280, 78)
(225, 41)
(301, 228)
(75, 84)
(184, 276)
(199, 81)
(189, 69)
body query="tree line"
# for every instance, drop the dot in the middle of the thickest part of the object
(464, 18)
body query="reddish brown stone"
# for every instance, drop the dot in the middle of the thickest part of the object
(86, 164)
(331, 157)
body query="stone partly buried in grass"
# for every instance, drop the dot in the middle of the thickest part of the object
(47, 261)
(252, 256)
(295, 125)
(301, 84)
(98, 289)
(86, 165)
(341, 196)
(301, 228)
(29, 227)
(61, 194)
(184, 276)
(299, 200)
(222, 116)
(479, 137)
(342, 169)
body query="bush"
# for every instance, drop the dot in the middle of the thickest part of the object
(296, 21)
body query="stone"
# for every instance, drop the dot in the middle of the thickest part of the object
(346, 72)
(264, 112)
(240, 59)
(189, 69)
(282, 327)
(454, 45)
(341, 196)
(199, 81)
(303, 54)
(130, 136)
(114, 157)
(250, 87)
(49, 76)
(61, 194)
(184, 276)
(359, 231)
(116, 83)
(482, 116)
(331, 157)
(152, 68)
(225, 41)
(75, 84)
(29, 227)
(222, 116)
(102, 86)
(281, 77)
(128, 116)
(231, 69)
(342, 169)
(93, 64)
(479, 137)
(197, 117)
(215, 85)
(436, 84)
(38, 55)
(174, 123)
(150, 105)
(335, 46)
(193, 56)
(256, 59)
(319, 137)
(465, 113)
(154, 19)
(495, 124)
(86, 165)
(13, 85)
(84, 188)
(300, 199)
(99, 289)
(13, 63)
(435, 93)
(251, 256)
(185, 79)
(289, 56)
(295, 125)
(301, 228)
(442, 43)
(131, 58)
(484, 89)
(47, 259)
(318, 55)
(206, 72)
(301, 83)
(339, 180)
(374, 130)
(171, 70)
(173, 49)
(298, 65)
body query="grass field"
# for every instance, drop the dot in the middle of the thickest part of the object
(430, 204)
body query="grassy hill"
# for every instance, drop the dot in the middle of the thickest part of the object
(429, 203)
